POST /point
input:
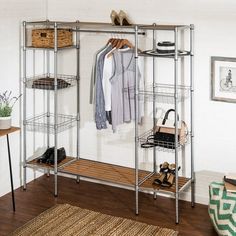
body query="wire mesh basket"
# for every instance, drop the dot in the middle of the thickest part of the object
(45, 123)
(46, 81)
(163, 93)
(162, 145)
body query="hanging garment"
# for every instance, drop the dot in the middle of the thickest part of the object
(100, 113)
(101, 85)
(122, 87)
(107, 70)
(106, 83)
(93, 74)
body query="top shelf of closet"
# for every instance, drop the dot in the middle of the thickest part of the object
(102, 25)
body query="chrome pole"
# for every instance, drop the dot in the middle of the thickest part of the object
(176, 129)
(192, 114)
(55, 110)
(78, 94)
(24, 106)
(48, 98)
(154, 102)
(107, 31)
(48, 103)
(136, 120)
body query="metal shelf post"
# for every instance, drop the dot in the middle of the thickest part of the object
(176, 128)
(48, 102)
(136, 121)
(24, 106)
(78, 94)
(55, 111)
(154, 101)
(192, 114)
(48, 98)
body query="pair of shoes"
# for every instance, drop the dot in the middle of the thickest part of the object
(45, 157)
(171, 174)
(120, 19)
(164, 169)
(167, 175)
(48, 156)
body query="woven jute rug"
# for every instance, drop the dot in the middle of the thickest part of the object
(71, 220)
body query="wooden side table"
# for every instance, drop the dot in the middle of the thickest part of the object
(6, 132)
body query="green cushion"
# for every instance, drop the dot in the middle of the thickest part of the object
(222, 209)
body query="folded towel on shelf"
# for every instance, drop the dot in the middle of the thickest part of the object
(48, 83)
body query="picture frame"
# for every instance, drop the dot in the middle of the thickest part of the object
(223, 79)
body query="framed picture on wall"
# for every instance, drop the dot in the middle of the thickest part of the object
(223, 79)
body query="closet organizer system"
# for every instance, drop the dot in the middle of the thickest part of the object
(53, 123)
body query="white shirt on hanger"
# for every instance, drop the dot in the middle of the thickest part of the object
(106, 84)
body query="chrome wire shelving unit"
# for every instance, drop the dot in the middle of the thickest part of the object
(174, 93)
(50, 122)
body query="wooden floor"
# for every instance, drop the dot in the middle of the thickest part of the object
(106, 199)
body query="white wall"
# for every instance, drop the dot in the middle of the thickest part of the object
(12, 12)
(214, 36)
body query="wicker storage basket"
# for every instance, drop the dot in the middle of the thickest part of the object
(44, 38)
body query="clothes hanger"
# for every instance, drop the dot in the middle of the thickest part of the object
(110, 40)
(113, 42)
(116, 42)
(126, 42)
(120, 44)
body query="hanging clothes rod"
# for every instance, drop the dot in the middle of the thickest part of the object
(107, 31)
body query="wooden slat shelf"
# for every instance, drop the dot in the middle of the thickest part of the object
(103, 171)
(148, 184)
(34, 164)
(115, 174)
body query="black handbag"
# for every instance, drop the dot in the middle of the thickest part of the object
(164, 135)
(48, 156)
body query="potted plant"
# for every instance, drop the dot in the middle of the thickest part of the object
(7, 102)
